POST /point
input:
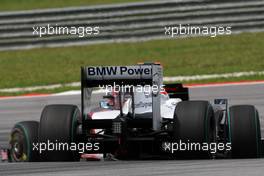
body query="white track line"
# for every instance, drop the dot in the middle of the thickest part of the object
(166, 79)
(78, 92)
(27, 89)
(225, 84)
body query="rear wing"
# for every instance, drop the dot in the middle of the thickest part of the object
(142, 74)
(120, 75)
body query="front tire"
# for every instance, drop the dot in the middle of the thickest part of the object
(23, 136)
(244, 133)
(58, 125)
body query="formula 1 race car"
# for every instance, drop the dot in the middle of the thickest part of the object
(137, 117)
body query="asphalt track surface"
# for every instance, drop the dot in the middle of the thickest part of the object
(14, 110)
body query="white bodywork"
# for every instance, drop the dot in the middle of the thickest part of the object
(143, 104)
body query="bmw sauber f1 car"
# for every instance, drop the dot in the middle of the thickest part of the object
(137, 117)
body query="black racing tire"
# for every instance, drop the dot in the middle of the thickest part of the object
(24, 136)
(58, 124)
(194, 123)
(244, 133)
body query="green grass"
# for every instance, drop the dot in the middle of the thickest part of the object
(188, 56)
(7, 5)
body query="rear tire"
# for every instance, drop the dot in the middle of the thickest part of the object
(194, 123)
(245, 131)
(58, 124)
(23, 135)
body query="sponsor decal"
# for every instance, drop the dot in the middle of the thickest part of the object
(114, 70)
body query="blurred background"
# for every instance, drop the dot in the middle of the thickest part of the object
(131, 31)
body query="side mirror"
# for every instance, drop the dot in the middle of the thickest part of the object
(104, 104)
